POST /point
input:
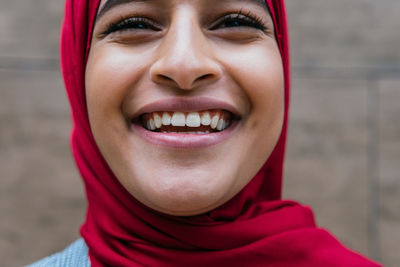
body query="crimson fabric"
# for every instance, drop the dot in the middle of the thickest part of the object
(255, 228)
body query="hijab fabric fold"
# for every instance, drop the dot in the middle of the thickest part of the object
(255, 228)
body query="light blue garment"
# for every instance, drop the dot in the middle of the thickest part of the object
(73, 256)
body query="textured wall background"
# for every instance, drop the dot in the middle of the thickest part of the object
(343, 152)
(344, 144)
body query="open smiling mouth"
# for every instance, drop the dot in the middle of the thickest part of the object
(197, 122)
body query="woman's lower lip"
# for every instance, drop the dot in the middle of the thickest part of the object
(182, 140)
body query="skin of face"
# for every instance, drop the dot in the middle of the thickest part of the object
(185, 49)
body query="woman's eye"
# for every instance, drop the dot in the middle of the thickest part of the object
(239, 20)
(132, 24)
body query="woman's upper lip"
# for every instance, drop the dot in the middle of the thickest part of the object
(186, 104)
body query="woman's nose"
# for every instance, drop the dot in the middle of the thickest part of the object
(185, 58)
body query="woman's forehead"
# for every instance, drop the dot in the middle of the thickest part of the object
(106, 5)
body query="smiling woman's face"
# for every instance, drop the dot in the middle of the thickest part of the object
(185, 98)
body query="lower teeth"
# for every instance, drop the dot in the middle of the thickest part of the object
(187, 132)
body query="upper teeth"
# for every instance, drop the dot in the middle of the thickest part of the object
(166, 119)
(178, 119)
(206, 119)
(215, 119)
(193, 119)
(157, 120)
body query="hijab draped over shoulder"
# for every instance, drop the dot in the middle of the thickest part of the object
(255, 228)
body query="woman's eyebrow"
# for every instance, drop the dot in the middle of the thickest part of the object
(261, 3)
(113, 3)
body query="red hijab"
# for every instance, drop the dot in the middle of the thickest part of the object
(255, 228)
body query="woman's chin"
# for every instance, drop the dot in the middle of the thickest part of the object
(183, 195)
(181, 206)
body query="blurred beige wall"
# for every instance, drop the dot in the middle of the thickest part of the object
(343, 150)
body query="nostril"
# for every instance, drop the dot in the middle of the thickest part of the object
(203, 77)
(164, 77)
(182, 81)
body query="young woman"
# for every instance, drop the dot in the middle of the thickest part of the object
(180, 114)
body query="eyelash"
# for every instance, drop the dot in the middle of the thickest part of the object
(239, 19)
(244, 20)
(131, 23)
